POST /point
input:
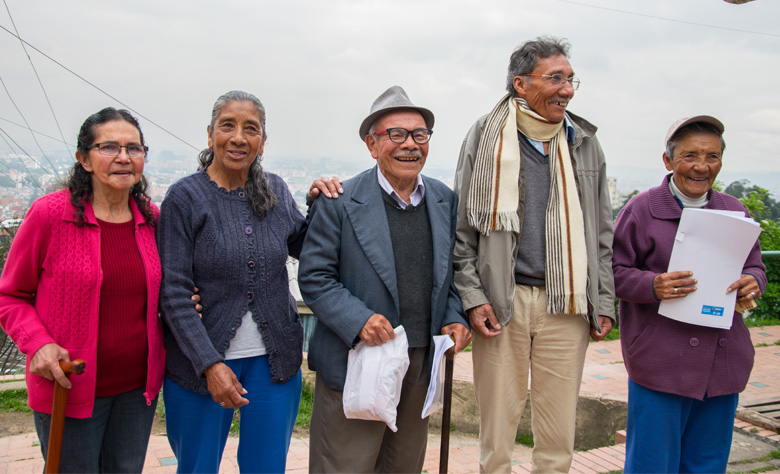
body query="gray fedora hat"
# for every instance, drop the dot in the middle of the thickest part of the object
(394, 98)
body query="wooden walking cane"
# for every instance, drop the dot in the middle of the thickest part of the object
(57, 426)
(444, 453)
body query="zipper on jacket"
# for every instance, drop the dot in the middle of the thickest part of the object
(148, 400)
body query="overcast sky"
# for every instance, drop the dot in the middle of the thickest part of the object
(318, 66)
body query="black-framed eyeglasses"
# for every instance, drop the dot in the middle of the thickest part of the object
(558, 80)
(421, 136)
(112, 149)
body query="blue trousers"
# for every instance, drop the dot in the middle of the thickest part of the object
(198, 427)
(671, 433)
(114, 439)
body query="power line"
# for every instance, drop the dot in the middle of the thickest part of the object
(39, 80)
(668, 19)
(36, 131)
(101, 90)
(18, 156)
(28, 126)
(23, 151)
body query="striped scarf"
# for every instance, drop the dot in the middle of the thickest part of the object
(494, 195)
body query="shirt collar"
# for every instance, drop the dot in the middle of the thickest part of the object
(417, 194)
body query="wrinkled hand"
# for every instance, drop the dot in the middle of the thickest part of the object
(377, 331)
(329, 186)
(673, 285)
(46, 363)
(224, 387)
(196, 299)
(461, 334)
(483, 321)
(747, 287)
(605, 324)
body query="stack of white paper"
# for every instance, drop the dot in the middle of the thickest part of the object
(714, 246)
(434, 399)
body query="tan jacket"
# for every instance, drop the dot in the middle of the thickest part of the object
(484, 265)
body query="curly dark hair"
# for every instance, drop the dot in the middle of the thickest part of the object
(258, 189)
(80, 180)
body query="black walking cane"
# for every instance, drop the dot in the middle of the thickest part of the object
(444, 453)
(57, 425)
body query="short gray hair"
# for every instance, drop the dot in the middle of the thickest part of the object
(525, 57)
(690, 129)
(258, 189)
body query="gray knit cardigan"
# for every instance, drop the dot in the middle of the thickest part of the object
(209, 238)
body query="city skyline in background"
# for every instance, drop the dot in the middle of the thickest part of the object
(317, 66)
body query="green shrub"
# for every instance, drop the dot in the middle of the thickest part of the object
(304, 409)
(14, 401)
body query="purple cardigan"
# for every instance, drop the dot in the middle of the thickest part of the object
(660, 353)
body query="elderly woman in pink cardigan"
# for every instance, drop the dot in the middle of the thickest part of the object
(81, 282)
(684, 380)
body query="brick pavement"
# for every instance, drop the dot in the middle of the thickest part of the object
(604, 375)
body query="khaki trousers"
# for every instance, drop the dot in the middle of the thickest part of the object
(550, 346)
(339, 445)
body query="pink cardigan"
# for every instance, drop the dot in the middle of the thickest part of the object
(50, 291)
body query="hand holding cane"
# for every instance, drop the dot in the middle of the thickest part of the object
(57, 426)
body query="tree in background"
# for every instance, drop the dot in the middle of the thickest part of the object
(764, 209)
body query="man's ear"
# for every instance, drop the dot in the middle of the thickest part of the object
(372, 144)
(519, 85)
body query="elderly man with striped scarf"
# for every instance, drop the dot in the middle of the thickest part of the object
(533, 256)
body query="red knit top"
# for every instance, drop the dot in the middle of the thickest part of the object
(122, 342)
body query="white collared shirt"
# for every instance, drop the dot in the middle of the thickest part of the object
(416, 196)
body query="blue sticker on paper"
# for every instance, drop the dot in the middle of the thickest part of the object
(712, 310)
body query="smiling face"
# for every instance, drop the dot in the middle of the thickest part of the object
(111, 174)
(400, 163)
(543, 97)
(237, 139)
(696, 163)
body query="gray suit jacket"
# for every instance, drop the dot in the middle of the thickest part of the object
(347, 271)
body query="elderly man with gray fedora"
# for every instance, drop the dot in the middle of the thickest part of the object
(377, 257)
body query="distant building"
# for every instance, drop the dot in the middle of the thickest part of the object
(615, 196)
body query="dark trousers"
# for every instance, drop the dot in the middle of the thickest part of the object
(337, 444)
(113, 440)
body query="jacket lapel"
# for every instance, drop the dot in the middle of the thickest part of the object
(439, 216)
(366, 211)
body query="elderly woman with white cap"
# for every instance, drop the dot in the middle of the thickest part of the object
(684, 380)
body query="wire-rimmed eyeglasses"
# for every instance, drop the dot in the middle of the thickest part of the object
(558, 80)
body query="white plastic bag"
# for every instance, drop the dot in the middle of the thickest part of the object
(374, 378)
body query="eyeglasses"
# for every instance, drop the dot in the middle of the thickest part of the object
(421, 136)
(558, 80)
(112, 149)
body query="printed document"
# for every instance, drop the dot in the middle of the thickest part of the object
(714, 246)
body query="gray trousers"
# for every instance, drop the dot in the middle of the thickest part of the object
(340, 445)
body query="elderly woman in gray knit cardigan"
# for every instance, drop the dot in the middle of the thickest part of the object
(227, 230)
